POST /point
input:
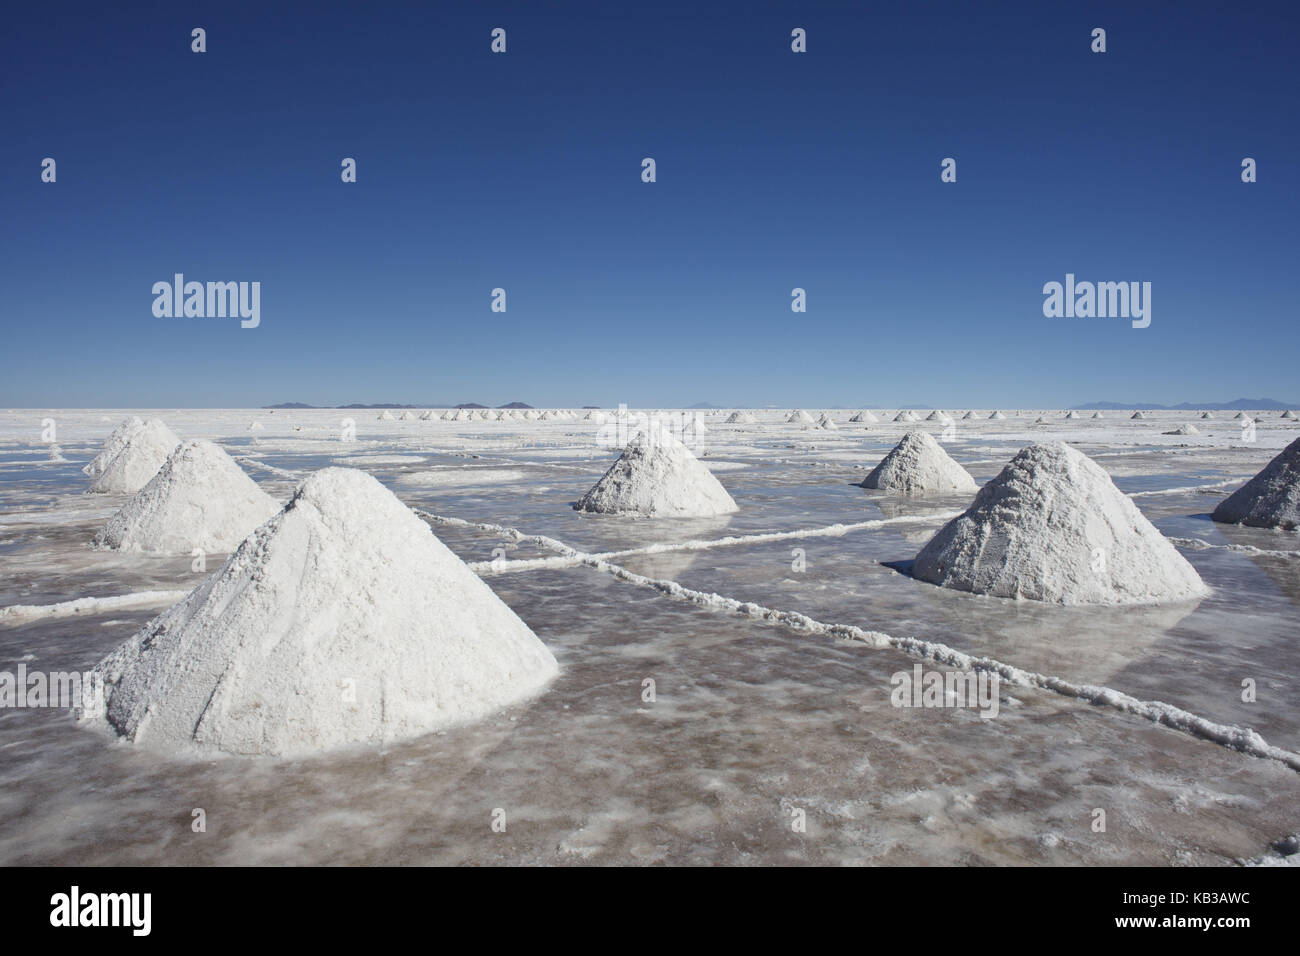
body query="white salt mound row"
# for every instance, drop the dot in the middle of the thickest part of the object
(1269, 500)
(112, 445)
(1052, 526)
(343, 620)
(199, 499)
(142, 454)
(658, 475)
(918, 465)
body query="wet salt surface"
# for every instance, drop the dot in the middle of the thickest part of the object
(751, 721)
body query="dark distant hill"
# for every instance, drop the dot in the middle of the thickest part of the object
(1234, 405)
(470, 405)
(703, 405)
(516, 405)
(291, 405)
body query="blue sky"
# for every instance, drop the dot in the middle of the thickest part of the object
(522, 171)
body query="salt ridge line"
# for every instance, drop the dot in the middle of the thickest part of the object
(573, 557)
(271, 469)
(1241, 739)
(1200, 544)
(1186, 488)
(22, 613)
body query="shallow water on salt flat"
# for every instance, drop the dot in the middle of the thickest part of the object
(751, 721)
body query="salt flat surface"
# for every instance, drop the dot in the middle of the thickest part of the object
(752, 721)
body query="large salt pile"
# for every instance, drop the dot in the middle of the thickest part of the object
(199, 499)
(1052, 526)
(112, 445)
(1269, 500)
(658, 475)
(918, 465)
(138, 460)
(1288, 414)
(342, 620)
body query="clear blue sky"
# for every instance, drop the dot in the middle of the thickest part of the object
(775, 170)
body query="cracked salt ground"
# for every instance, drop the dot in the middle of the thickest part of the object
(750, 721)
(760, 718)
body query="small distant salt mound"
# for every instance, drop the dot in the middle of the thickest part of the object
(112, 445)
(968, 415)
(448, 416)
(1053, 527)
(918, 465)
(1288, 414)
(343, 620)
(1206, 415)
(56, 454)
(800, 417)
(863, 416)
(1138, 416)
(1040, 420)
(905, 416)
(144, 452)
(740, 418)
(937, 416)
(425, 416)
(1072, 414)
(1269, 500)
(1239, 415)
(255, 426)
(1098, 415)
(386, 416)
(199, 499)
(1184, 430)
(997, 417)
(658, 475)
(530, 415)
(407, 416)
(827, 423)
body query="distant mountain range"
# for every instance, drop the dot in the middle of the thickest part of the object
(1258, 404)
(394, 405)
